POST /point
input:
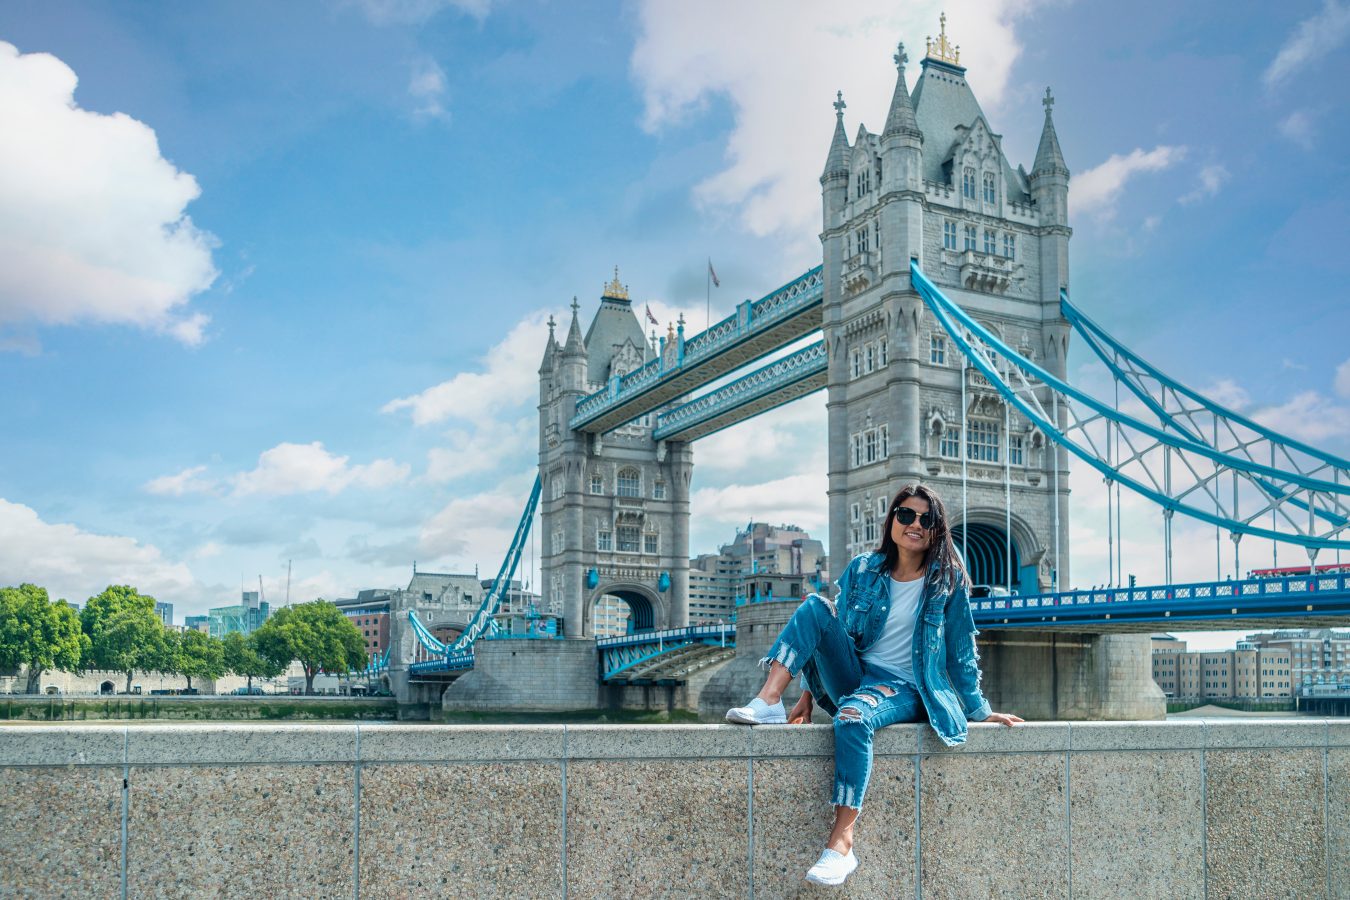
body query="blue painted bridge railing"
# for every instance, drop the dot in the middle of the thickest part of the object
(454, 662)
(627, 652)
(754, 329)
(1298, 597)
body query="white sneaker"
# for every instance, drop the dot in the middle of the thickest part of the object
(832, 867)
(757, 712)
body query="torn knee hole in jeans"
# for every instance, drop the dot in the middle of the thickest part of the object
(886, 691)
(850, 714)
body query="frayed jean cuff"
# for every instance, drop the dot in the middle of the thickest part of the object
(783, 654)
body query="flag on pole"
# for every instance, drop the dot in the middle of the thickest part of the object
(712, 273)
(651, 318)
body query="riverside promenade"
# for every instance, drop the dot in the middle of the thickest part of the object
(1196, 808)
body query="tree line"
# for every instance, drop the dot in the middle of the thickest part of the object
(118, 630)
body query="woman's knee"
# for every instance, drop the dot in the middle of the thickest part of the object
(851, 714)
(820, 607)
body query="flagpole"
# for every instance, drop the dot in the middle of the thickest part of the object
(707, 296)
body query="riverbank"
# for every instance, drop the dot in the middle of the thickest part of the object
(284, 708)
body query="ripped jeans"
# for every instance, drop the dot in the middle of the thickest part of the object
(867, 698)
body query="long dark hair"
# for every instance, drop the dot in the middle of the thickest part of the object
(941, 560)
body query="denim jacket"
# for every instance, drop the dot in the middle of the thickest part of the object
(946, 666)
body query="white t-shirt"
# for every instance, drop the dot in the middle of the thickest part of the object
(893, 650)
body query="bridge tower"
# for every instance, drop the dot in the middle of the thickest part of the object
(935, 186)
(615, 507)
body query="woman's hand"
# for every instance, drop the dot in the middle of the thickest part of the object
(1004, 719)
(801, 710)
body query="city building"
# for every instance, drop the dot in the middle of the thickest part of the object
(198, 623)
(762, 561)
(164, 611)
(1315, 655)
(369, 612)
(1251, 671)
(244, 617)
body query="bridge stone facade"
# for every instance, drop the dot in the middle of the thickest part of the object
(614, 513)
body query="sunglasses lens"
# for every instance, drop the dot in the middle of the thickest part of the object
(906, 516)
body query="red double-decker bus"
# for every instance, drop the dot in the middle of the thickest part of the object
(1295, 571)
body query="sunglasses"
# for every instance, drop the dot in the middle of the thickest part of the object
(906, 516)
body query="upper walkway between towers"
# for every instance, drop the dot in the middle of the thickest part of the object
(755, 329)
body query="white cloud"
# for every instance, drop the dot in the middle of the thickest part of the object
(482, 449)
(797, 499)
(75, 564)
(303, 468)
(187, 481)
(1211, 178)
(1342, 379)
(1096, 191)
(1307, 416)
(689, 53)
(1227, 392)
(415, 12)
(503, 383)
(478, 528)
(1314, 38)
(427, 88)
(94, 226)
(771, 438)
(1298, 127)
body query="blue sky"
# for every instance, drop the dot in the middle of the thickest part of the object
(273, 280)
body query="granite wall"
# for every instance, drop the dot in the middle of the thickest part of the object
(1220, 808)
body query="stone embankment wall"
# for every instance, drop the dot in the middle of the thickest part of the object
(1174, 809)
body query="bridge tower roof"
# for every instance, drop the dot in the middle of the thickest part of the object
(945, 110)
(614, 324)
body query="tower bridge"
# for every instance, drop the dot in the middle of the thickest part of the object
(941, 321)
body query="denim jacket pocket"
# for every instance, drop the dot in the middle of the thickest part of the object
(855, 616)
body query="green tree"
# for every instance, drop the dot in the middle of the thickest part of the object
(198, 655)
(243, 659)
(317, 634)
(37, 633)
(125, 634)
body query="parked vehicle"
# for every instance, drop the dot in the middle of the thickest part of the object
(249, 691)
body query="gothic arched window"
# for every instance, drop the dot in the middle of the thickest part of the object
(629, 483)
(968, 183)
(990, 188)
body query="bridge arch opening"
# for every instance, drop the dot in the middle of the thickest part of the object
(617, 610)
(986, 551)
(107, 687)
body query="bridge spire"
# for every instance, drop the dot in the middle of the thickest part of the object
(900, 120)
(575, 346)
(836, 164)
(1049, 159)
(550, 349)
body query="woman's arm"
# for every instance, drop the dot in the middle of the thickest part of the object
(963, 667)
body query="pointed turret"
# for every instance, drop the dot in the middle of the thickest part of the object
(900, 120)
(1050, 176)
(550, 350)
(1049, 159)
(575, 346)
(836, 163)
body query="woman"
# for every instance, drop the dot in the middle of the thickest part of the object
(898, 645)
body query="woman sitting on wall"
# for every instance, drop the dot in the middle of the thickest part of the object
(897, 645)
